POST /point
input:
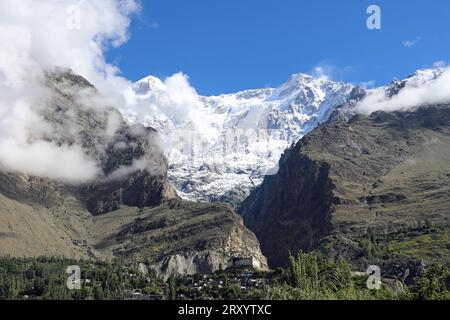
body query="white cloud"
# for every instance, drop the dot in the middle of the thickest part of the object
(411, 43)
(322, 72)
(440, 64)
(36, 36)
(327, 70)
(174, 101)
(368, 84)
(434, 91)
(153, 24)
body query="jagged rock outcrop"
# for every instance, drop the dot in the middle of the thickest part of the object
(347, 180)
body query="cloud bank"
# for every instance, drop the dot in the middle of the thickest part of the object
(171, 101)
(425, 89)
(36, 36)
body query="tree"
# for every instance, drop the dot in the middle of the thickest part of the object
(433, 284)
(305, 272)
(172, 288)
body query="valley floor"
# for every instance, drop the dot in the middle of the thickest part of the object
(47, 279)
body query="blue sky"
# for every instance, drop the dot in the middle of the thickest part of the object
(231, 45)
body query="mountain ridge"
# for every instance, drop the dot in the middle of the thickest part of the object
(222, 146)
(127, 209)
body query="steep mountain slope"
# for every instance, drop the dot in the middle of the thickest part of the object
(372, 189)
(221, 147)
(127, 209)
(178, 237)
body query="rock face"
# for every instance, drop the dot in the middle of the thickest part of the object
(291, 210)
(189, 237)
(133, 169)
(128, 210)
(131, 151)
(382, 174)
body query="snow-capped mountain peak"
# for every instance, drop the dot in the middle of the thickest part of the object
(147, 85)
(221, 147)
(425, 76)
(424, 87)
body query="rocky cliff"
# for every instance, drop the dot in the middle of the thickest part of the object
(370, 189)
